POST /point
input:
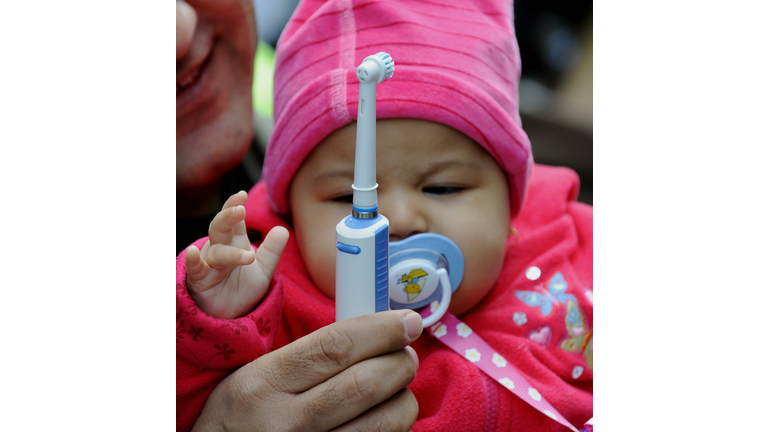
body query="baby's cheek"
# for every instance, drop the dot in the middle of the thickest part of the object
(486, 268)
(319, 255)
(323, 270)
(482, 268)
(327, 284)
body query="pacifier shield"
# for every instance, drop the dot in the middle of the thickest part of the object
(413, 265)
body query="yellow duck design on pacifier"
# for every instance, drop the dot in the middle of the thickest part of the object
(414, 282)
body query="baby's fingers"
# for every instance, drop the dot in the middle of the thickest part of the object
(222, 228)
(271, 249)
(221, 256)
(235, 200)
(195, 264)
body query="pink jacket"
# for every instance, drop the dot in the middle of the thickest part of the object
(548, 339)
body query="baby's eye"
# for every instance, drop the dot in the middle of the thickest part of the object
(343, 199)
(442, 190)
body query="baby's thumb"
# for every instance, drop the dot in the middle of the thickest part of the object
(195, 267)
(271, 249)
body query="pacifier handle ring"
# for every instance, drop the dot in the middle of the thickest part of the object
(444, 303)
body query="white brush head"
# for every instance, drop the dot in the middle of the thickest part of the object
(376, 68)
(373, 70)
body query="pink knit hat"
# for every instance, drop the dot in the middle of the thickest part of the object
(456, 62)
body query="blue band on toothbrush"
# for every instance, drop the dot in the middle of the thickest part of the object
(356, 223)
(365, 210)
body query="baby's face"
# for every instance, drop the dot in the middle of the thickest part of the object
(432, 179)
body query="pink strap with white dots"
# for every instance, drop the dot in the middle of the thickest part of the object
(459, 337)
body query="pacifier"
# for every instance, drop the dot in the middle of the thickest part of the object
(424, 268)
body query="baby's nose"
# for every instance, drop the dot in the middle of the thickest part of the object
(405, 217)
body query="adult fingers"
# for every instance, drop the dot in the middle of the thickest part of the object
(315, 358)
(358, 388)
(264, 394)
(222, 227)
(186, 20)
(271, 249)
(397, 413)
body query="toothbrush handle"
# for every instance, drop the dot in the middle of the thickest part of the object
(362, 267)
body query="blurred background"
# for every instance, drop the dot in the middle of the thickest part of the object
(555, 39)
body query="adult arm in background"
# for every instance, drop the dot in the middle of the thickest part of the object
(336, 378)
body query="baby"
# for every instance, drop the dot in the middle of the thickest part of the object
(432, 178)
(452, 159)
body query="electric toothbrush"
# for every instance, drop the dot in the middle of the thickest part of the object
(362, 239)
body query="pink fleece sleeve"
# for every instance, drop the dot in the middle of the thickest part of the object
(209, 349)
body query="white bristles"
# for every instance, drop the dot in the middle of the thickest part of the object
(388, 63)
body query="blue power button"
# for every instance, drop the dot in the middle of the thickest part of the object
(354, 250)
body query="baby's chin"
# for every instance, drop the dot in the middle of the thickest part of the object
(465, 298)
(459, 309)
(331, 294)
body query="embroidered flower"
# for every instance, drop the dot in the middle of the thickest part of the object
(189, 309)
(434, 306)
(577, 371)
(196, 332)
(463, 330)
(550, 414)
(234, 325)
(180, 331)
(263, 326)
(499, 360)
(439, 330)
(472, 355)
(223, 351)
(520, 318)
(506, 382)
(534, 394)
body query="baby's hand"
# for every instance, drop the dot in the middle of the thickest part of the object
(227, 278)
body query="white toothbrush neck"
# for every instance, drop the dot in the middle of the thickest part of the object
(364, 195)
(373, 70)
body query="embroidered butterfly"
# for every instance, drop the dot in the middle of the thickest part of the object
(545, 300)
(580, 337)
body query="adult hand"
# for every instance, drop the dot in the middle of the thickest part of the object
(350, 375)
(186, 20)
